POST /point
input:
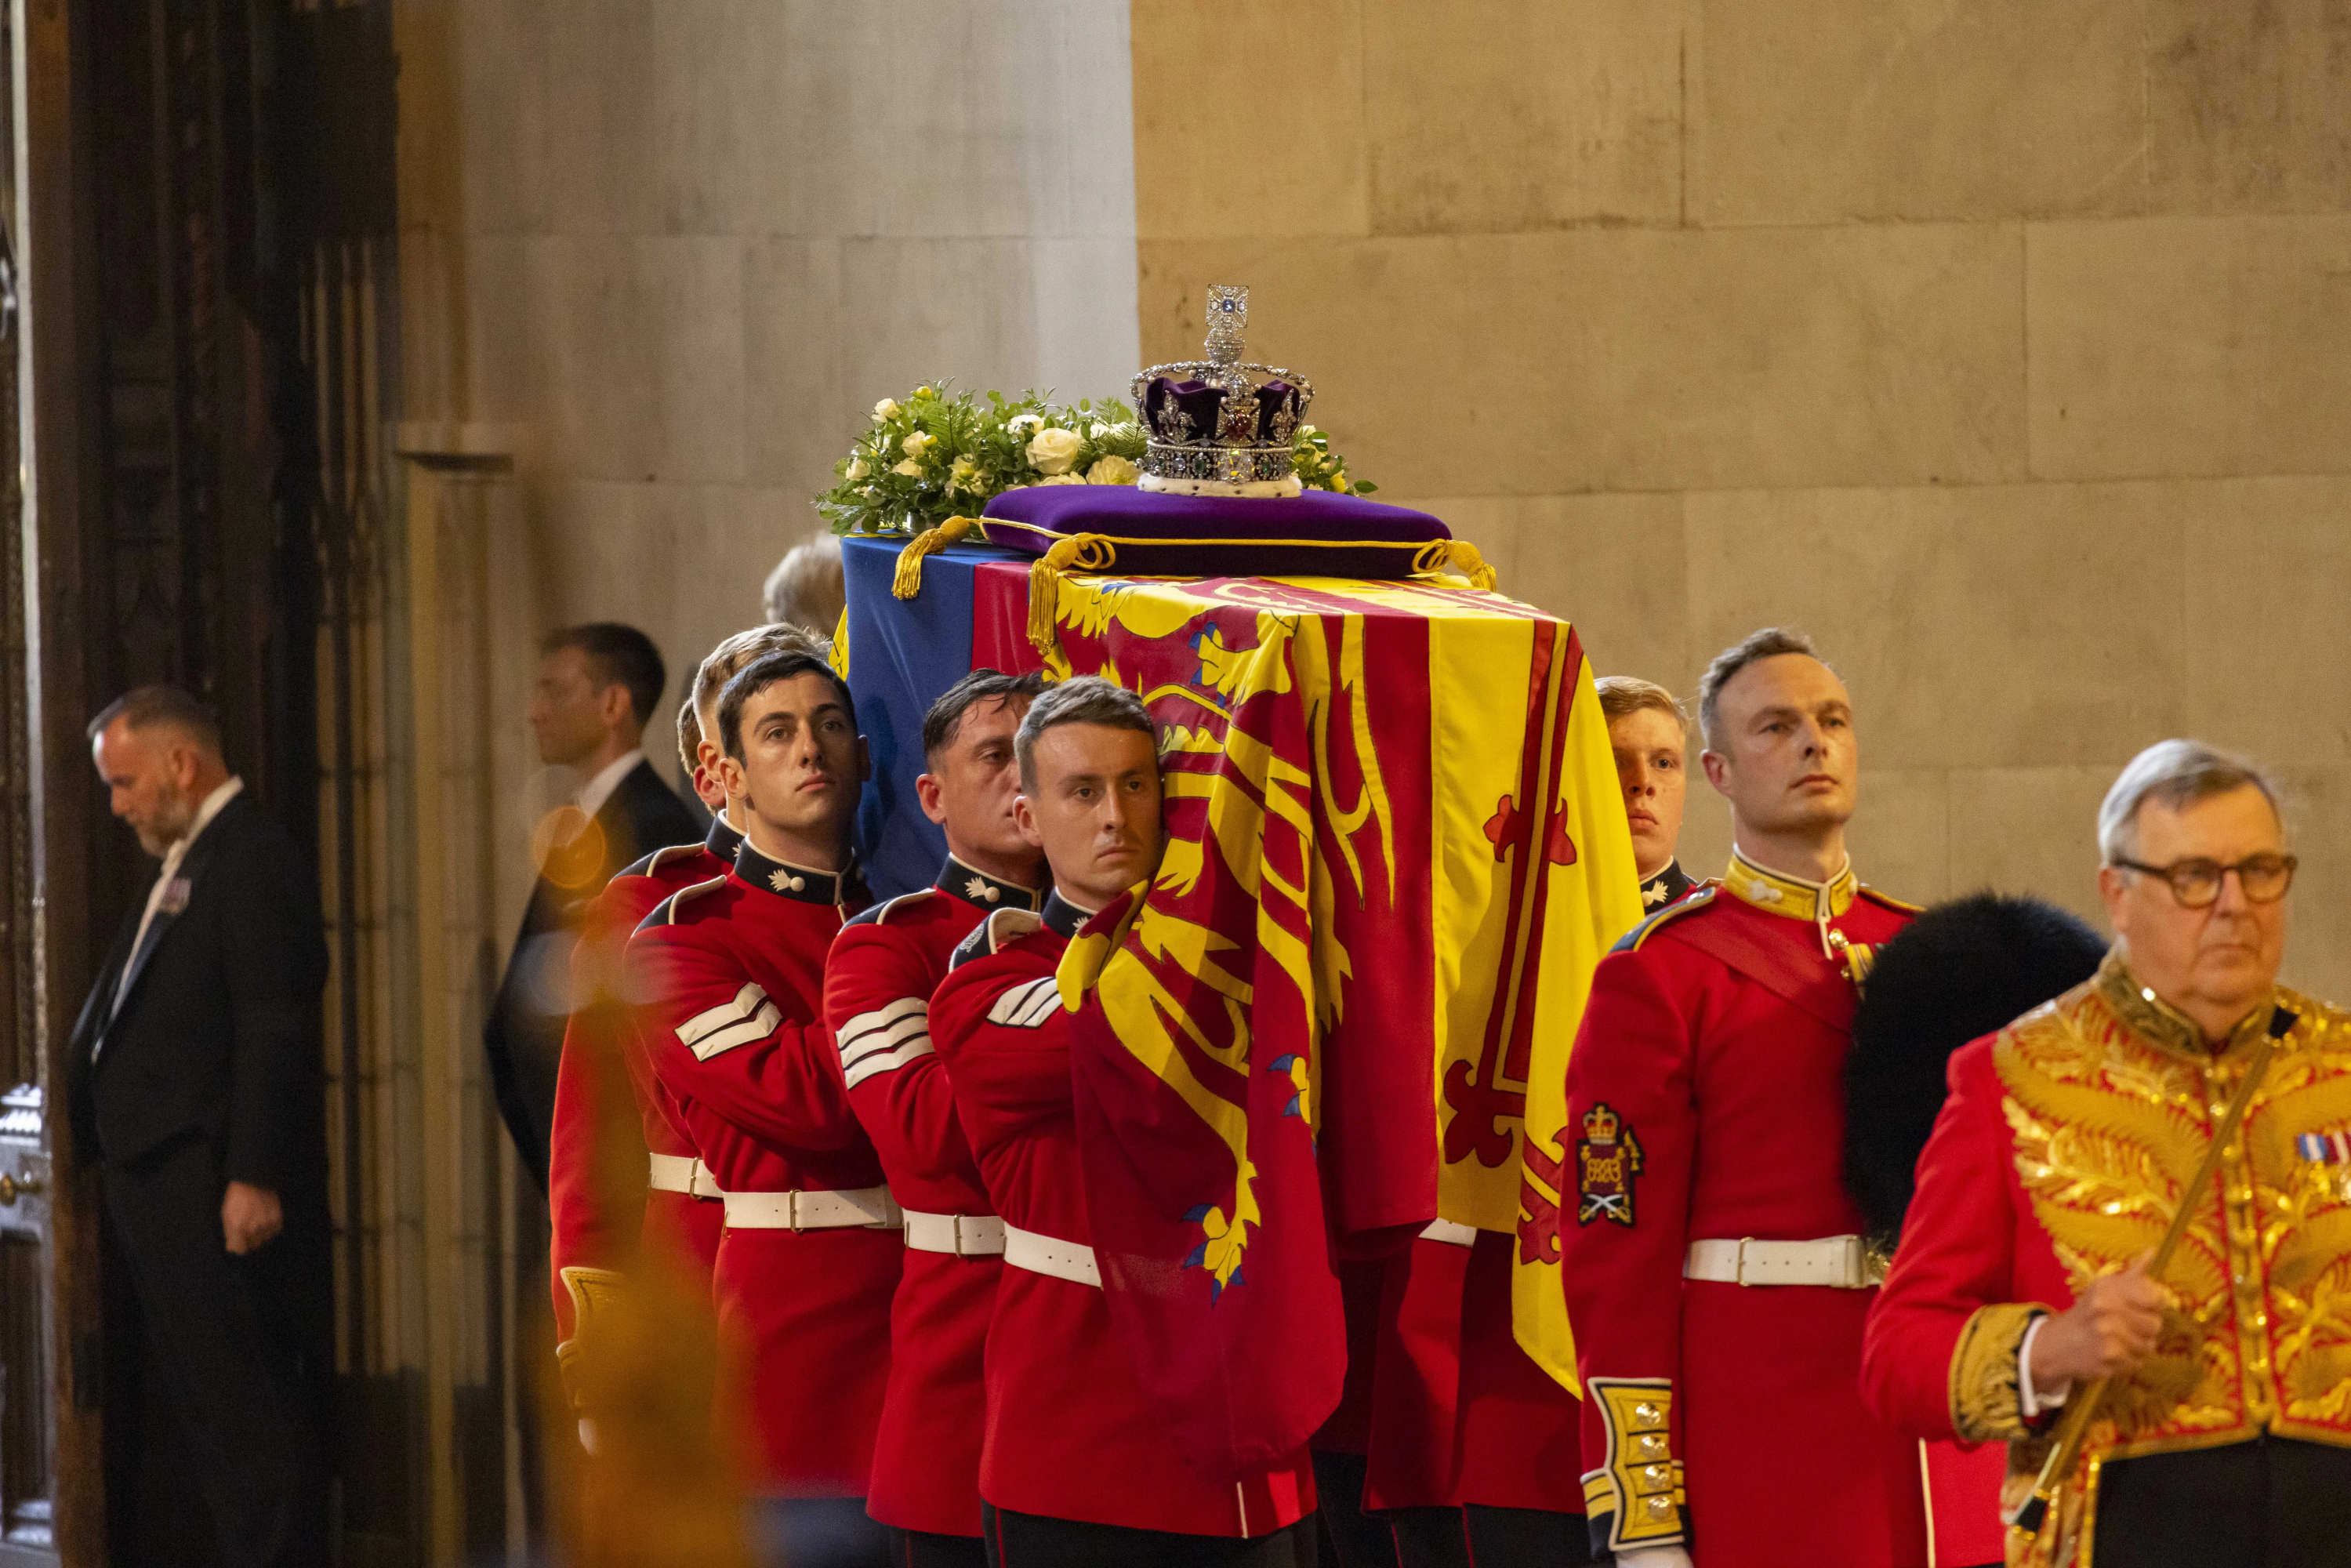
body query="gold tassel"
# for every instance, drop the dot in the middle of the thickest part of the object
(1083, 552)
(908, 582)
(1461, 556)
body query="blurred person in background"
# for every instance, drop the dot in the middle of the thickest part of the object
(804, 590)
(194, 1084)
(598, 685)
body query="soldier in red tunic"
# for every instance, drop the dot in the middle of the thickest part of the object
(734, 970)
(1716, 1277)
(877, 990)
(589, 1239)
(1076, 1467)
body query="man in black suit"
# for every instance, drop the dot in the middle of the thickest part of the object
(194, 1080)
(598, 685)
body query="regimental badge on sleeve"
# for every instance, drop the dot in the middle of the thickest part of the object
(1607, 1158)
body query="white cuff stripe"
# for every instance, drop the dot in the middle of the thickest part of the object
(868, 1064)
(745, 1005)
(759, 1026)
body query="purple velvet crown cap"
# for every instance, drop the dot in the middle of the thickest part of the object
(1168, 534)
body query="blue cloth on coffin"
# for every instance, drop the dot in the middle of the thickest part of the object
(902, 653)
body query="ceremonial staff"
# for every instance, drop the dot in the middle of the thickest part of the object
(2075, 1425)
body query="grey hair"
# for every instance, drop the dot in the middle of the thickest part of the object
(1088, 699)
(166, 707)
(2172, 773)
(805, 589)
(1768, 642)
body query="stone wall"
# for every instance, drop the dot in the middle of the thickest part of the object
(675, 248)
(2006, 349)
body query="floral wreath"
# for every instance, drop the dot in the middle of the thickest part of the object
(941, 454)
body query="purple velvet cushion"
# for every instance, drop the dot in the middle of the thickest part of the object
(1217, 536)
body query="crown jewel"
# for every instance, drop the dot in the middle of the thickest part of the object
(1221, 426)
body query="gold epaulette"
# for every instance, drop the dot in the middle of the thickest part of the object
(1886, 900)
(1689, 903)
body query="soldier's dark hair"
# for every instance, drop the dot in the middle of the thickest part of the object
(1088, 699)
(146, 707)
(1767, 644)
(617, 655)
(764, 672)
(945, 721)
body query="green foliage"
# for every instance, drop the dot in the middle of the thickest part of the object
(941, 454)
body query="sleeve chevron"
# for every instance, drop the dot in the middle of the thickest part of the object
(749, 1017)
(1025, 1006)
(884, 1040)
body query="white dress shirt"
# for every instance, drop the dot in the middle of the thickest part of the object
(598, 789)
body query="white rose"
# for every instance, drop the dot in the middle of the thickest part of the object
(1099, 430)
(886, 408)
(857, 470)
(1063, 479)
(1054, 451)
(1305, 430)
(910, 468)
(1021, 423)
(1112, 470)
(912, 445)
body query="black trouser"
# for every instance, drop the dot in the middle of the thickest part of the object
(1480, 1536)
(1032, 1541)
(819, 1532)
(1350, 1537)
(923, 1548)
(2273, 1502)
(227, 1368)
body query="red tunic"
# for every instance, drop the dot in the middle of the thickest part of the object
(877, 989)
(735, 966)
(2062, 1152)
(1070, 1433)
(681, 1229)
(1460, 1414)
(1706, 1089)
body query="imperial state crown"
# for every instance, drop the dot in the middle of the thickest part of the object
(1222, 425)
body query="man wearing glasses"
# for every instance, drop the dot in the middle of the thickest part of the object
(2066, 1148)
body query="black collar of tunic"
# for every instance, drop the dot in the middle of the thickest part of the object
(1666, 887)
(802, 885)
(1062, 918)
(722, 840)
(976, 887)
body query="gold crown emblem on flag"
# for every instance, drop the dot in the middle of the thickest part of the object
(1221, 426)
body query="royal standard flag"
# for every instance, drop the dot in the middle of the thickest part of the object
(1342, 1006)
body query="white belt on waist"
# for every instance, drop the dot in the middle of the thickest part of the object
(682, 1173)
(1835, 1262)
(1050, 1255)
(1449, 1232)
(962, 1235)
(870, 1207)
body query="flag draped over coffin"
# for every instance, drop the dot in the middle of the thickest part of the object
(1394, 846)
